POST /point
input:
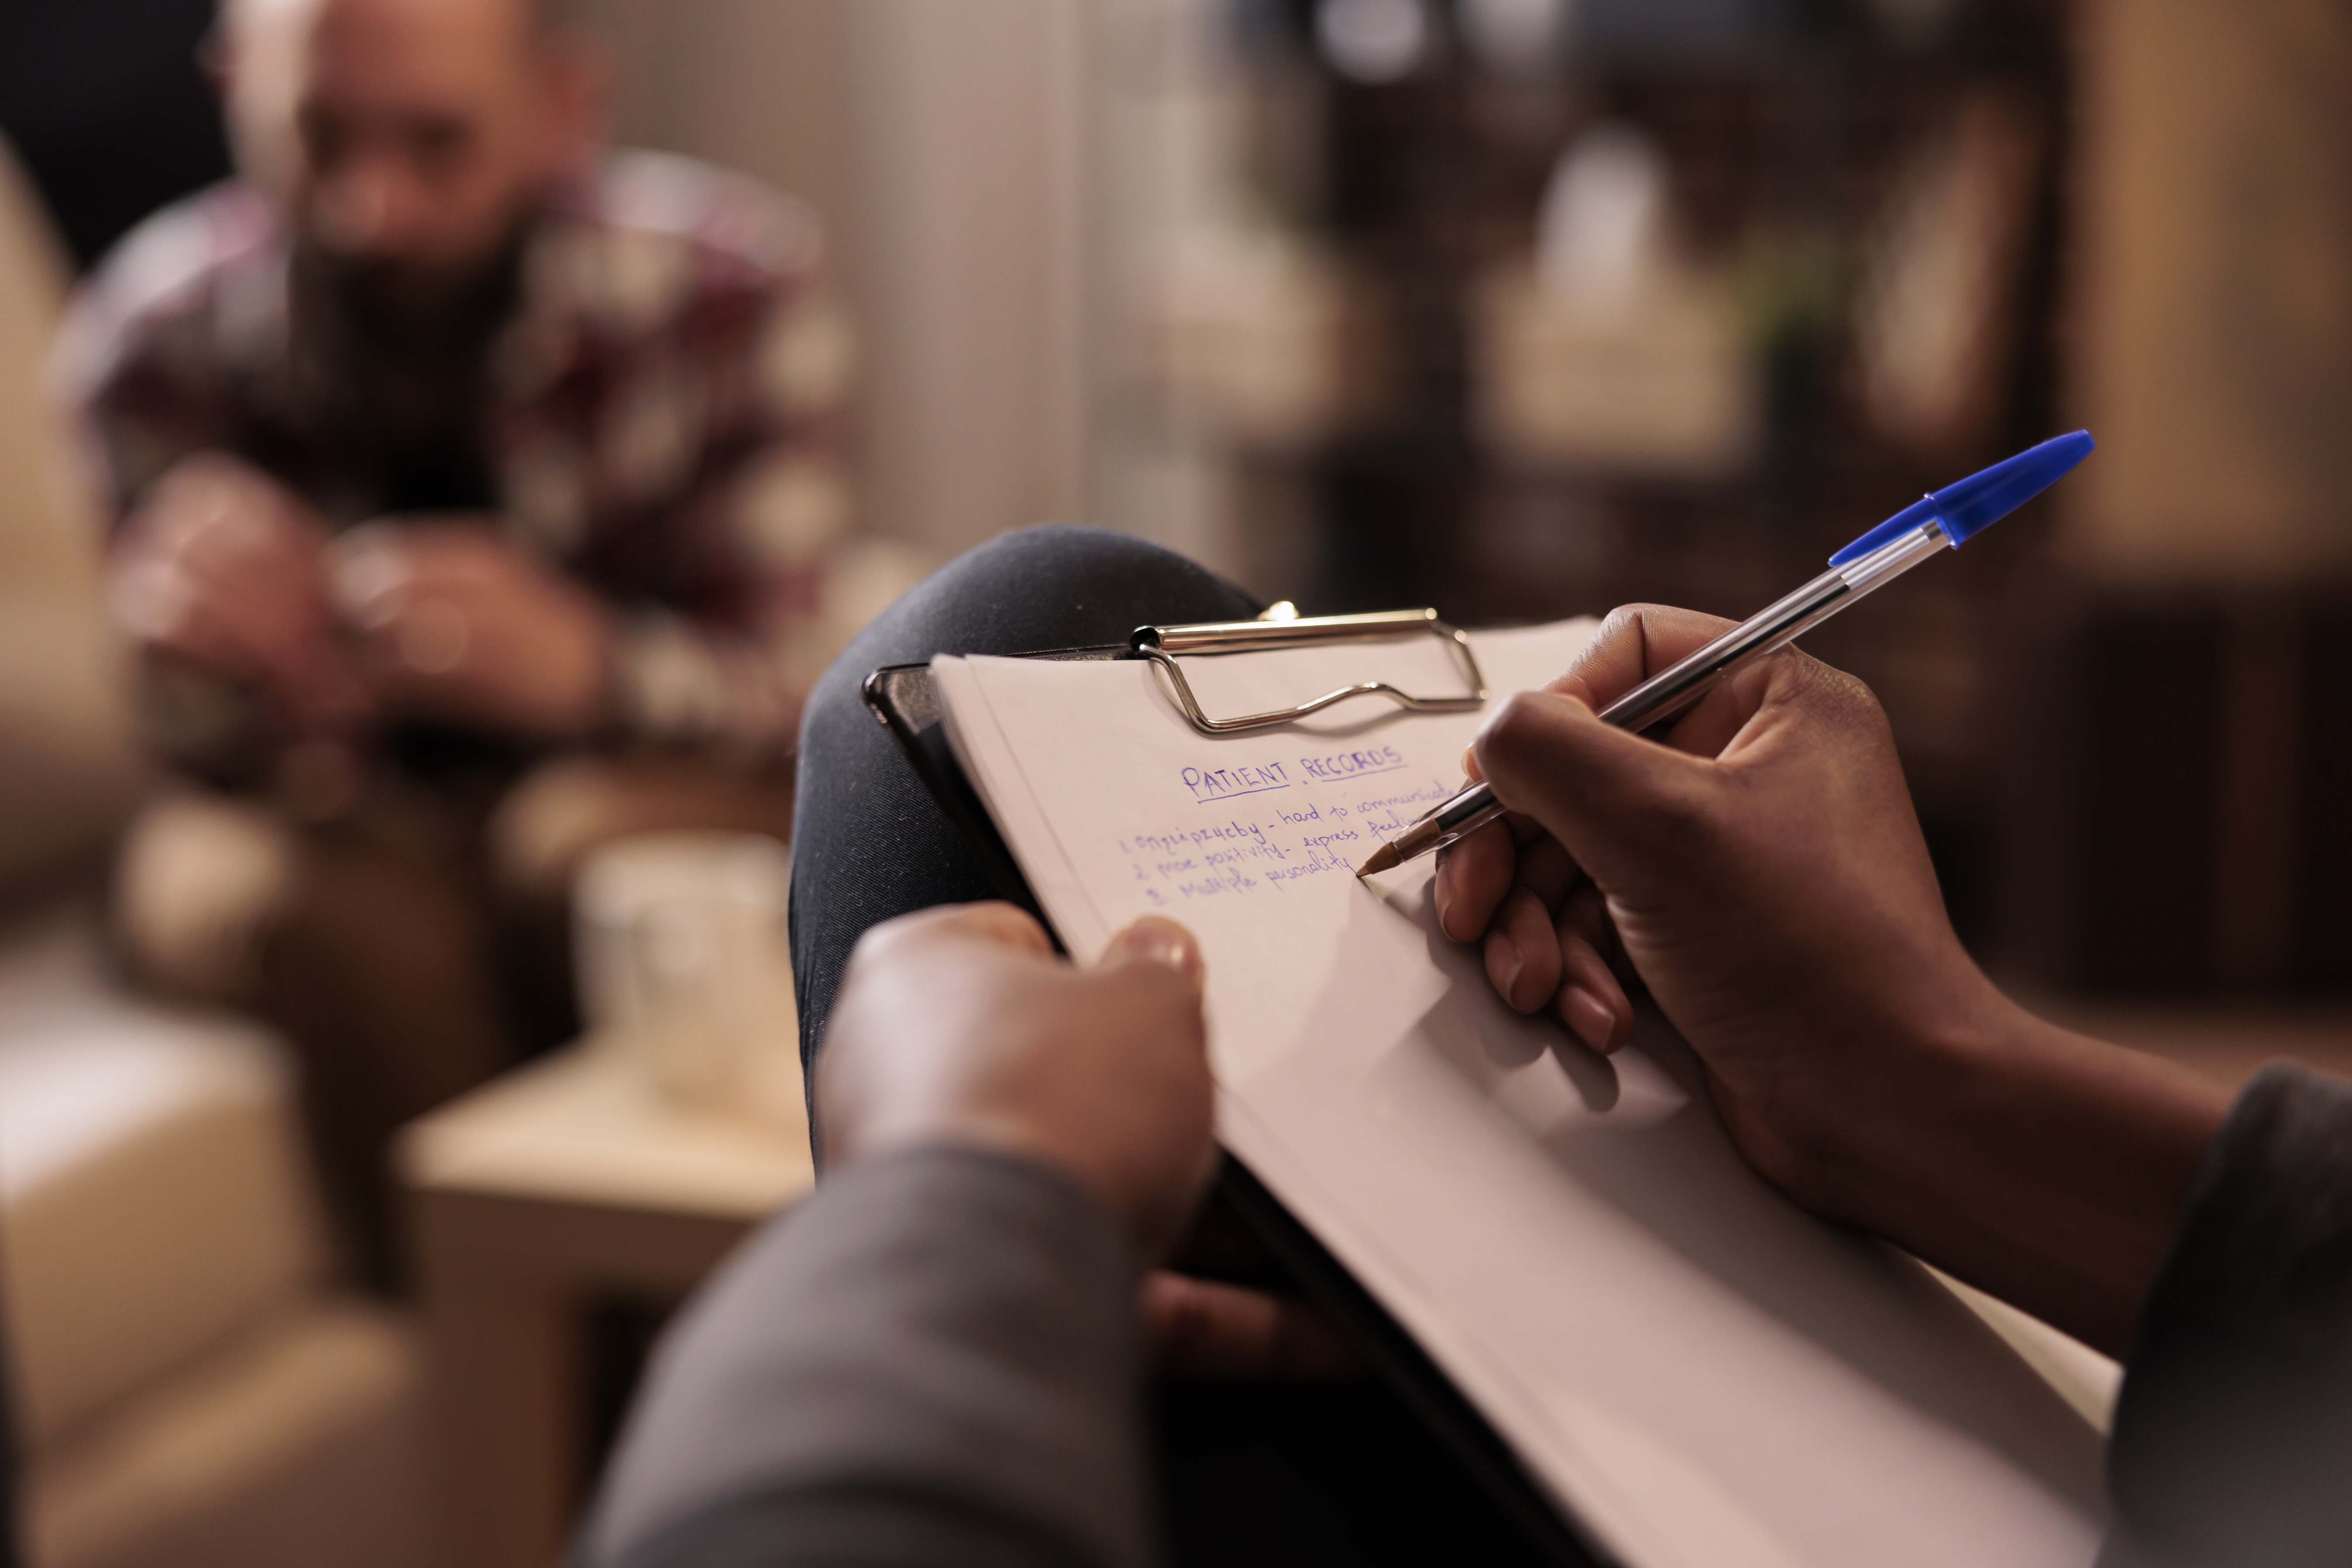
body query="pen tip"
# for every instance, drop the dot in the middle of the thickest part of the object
(1383, 859)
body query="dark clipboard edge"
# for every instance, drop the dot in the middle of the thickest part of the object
(900, 696)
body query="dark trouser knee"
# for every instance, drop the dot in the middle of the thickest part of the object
(867, 843)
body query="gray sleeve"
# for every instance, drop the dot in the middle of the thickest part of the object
(2233, 1436)
(934, 1360)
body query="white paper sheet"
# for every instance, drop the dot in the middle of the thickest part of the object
(1701, 1374)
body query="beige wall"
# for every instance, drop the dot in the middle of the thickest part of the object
(67, 771)
(2214, 293)
(756, 84)
(946, 141)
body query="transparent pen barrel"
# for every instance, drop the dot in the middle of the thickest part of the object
(1892, 559)
(1678, 686)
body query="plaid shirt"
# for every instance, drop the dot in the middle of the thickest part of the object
(663, 414)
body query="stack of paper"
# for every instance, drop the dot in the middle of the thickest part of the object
(1697, 1372)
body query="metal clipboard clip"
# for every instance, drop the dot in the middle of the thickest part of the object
(1281, 628)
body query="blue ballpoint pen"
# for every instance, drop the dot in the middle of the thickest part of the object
(1946, 518)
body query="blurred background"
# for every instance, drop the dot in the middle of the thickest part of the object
(1523, 308)
(1520, 309)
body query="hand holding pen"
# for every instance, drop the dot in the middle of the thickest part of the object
(1762, 877)
(1771, 822)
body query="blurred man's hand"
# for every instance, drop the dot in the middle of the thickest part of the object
(221, 567)
(455, 624)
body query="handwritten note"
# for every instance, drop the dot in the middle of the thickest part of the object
(1272, 846)
(1700, 1373)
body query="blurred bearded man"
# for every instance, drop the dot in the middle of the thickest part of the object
(471, 491)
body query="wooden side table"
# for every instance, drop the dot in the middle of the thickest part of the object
(568, 1179)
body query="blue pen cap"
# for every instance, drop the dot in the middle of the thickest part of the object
(1982, 499)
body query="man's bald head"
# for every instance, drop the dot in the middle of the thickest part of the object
(543, 17)
(408, 135)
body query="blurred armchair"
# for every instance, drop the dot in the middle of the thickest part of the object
(187, 1384)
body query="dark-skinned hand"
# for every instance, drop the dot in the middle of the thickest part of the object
(1760, 868)
(961, 1028)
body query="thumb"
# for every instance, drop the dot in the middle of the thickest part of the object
(1155, 939)
(1617, 803)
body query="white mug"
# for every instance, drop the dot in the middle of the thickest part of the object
(682, 961)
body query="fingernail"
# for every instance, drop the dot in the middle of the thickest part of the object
(1586, 1018)
(1162, 941)
(1513, 962)
(1444, 894)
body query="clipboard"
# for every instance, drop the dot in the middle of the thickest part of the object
(903, 699)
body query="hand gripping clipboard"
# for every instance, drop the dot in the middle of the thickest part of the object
(903, 699)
